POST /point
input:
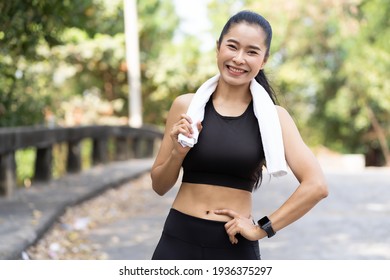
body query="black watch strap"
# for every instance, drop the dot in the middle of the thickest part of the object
(266, 225)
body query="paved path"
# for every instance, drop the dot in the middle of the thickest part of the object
(353, 223)
(27, 215)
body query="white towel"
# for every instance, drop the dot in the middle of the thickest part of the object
(265, 112)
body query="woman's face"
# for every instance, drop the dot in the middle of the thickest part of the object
(241, 54)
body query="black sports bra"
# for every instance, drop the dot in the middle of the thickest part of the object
(229, 151)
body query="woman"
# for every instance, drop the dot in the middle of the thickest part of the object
(211, 216)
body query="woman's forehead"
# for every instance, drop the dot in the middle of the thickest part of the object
(244, 31)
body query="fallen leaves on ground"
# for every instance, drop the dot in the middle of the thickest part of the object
(68, 238)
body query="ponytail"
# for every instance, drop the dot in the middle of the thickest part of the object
(262, 79)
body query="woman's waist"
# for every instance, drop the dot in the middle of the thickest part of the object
(201, 201)
(203, 232)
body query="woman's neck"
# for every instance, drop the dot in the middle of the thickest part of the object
(230, 93)
(231, 100)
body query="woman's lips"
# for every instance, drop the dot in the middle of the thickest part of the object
(236, 71)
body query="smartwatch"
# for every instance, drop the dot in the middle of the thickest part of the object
(265, 224)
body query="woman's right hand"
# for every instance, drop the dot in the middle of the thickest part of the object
(183, 126)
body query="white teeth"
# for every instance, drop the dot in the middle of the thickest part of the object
(236, 70)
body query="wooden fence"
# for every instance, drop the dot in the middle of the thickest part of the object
(128, 143)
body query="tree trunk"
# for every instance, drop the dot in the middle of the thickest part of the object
(380, 133)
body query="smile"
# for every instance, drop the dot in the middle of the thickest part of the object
(236, 70)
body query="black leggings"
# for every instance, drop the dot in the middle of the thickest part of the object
(185, 237)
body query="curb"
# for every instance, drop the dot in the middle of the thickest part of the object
(30, 213)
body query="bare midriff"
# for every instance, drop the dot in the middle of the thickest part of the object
(201, 201)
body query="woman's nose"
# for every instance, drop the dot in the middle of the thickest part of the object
(239, 58)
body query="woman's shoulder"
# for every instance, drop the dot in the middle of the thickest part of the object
(184, 98)
(282, 112)
(182, 101)
(180, 104)
(284, 115)
(280, 109)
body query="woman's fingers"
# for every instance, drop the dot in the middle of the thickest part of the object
(187, 122)
(186, 117)
(231, 231)
(237, 225)
(232, 227)
(183, 126)
(227, 212)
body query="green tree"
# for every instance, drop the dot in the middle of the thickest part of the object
(366, 89)
(24, 26)
(86, 52)
(330, 62)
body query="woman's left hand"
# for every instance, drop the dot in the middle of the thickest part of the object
(239, 224)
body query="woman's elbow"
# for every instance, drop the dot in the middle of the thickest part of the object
(321, 189)
(155, 187)
(160, 191)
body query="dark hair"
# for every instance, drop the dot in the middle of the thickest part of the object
(256, 19)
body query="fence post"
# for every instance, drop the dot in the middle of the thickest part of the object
(43, 164)
(7, 173)
(100, 151)
(149, 147)
(73, 164)
(137, 145)
(122, 151)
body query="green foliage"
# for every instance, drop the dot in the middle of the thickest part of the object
(89, 55)
(91, 63)
(24, 27)
(181, 69)
(157, 24)
(329, 62)
(25, 160)
(27, 23)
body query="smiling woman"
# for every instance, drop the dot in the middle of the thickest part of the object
(231, 120)
(242, 53)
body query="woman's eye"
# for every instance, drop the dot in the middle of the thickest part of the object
(232, 47)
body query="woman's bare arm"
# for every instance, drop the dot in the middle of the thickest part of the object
(306, 169)
(167, 165)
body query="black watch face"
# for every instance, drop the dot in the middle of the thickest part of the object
(263, 221)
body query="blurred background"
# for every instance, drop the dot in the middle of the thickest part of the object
(63, 63)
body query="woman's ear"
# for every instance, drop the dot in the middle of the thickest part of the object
(217, 47)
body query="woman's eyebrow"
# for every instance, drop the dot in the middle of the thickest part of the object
(238, 43)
